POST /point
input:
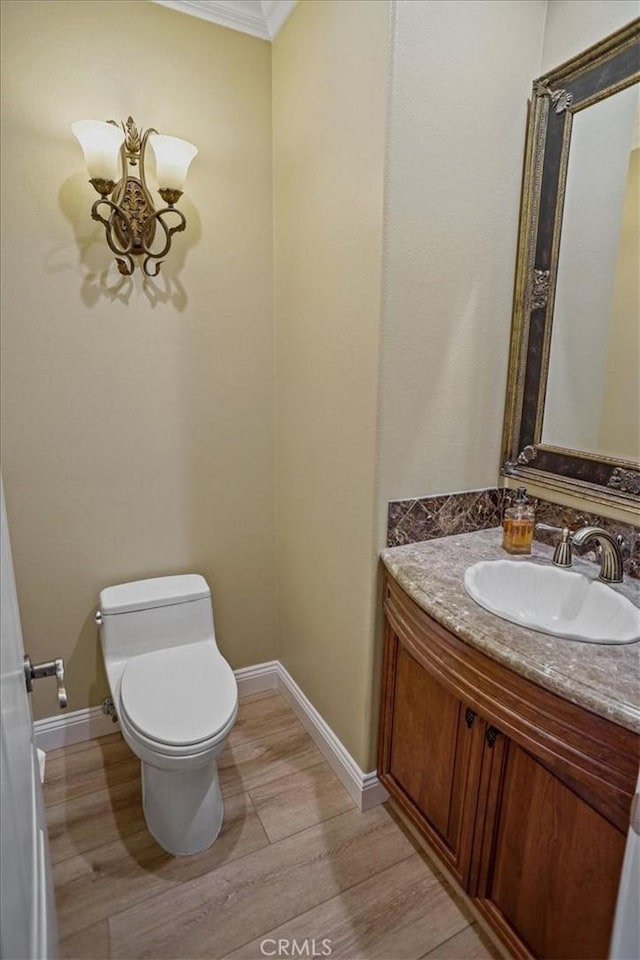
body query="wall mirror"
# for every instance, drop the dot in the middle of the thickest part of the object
(572, 420)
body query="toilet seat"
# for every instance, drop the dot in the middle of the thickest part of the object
(181, 700)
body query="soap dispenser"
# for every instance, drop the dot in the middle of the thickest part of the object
(518, 524)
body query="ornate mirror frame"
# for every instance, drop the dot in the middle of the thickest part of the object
(599, 72)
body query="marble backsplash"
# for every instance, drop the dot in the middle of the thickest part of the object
(428, 518)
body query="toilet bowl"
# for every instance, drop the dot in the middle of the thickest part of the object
(176, 698)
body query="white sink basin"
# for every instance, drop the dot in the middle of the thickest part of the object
(551, 600)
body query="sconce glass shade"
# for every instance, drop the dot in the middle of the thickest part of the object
(100, 142)
(173, 157)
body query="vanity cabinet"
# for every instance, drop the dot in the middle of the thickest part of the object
(523, 795)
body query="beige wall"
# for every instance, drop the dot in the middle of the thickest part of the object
(461, 78)
(620, 419)
(573, 25)
(137, 417)
(329, 78)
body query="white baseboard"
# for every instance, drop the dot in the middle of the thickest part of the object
(67, 728)
(365, 789)
(258, 679)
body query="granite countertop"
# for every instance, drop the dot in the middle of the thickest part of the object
(603, 678)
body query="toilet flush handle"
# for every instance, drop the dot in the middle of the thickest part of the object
(50, 668)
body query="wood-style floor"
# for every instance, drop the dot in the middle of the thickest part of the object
(295, 861)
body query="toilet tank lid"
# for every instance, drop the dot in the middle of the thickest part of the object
(156, 592)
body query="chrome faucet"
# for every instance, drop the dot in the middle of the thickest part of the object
(611, 558)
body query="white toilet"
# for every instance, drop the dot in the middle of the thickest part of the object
(176, 698)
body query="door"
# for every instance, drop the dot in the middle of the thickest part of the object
(429, 761)
(27, 913)
(552, 861)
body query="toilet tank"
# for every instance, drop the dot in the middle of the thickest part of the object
(149, 615)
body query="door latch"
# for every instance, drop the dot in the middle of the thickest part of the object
(50, 668)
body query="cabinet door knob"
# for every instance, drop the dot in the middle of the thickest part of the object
(492, 735)
(469, 717)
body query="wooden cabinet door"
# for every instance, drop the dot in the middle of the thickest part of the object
(427, 756)
(550, 862)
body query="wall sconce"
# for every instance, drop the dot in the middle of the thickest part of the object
(132, 221)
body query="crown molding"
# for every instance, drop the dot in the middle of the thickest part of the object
(276, 13)
(261, 18)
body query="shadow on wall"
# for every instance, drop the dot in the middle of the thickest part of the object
(88, 645)
(100, 273)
